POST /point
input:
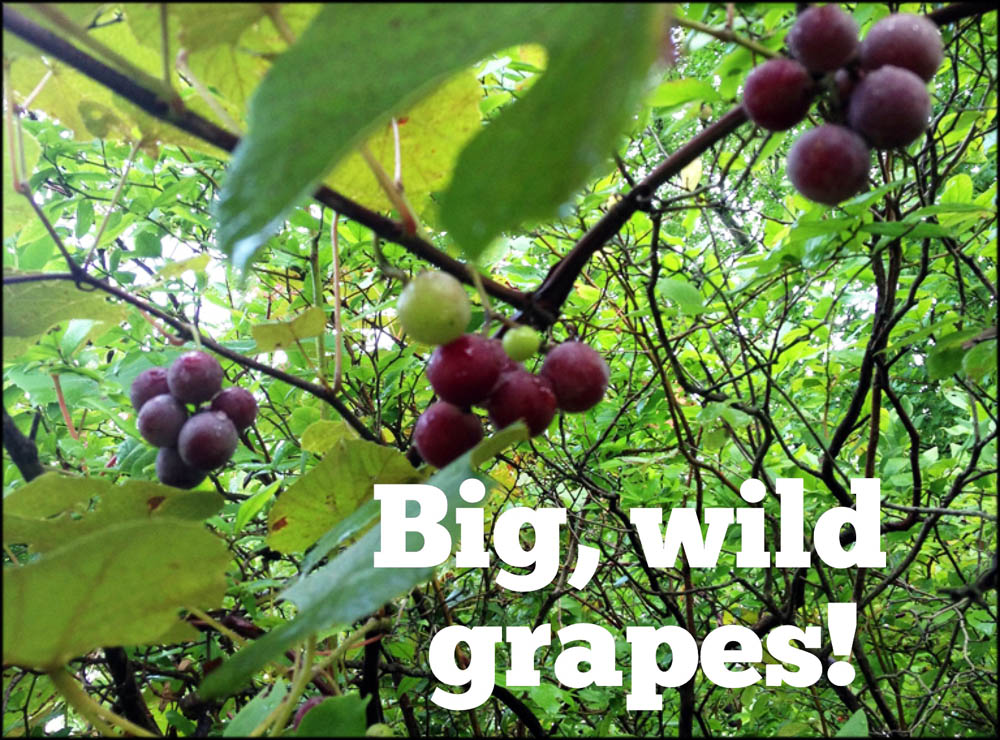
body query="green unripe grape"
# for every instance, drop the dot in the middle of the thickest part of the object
(434, 308)
(379, 730)
(521, 343)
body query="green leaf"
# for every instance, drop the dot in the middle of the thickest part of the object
(314, 107)
(176, 269)
(31, 309)
(336, 716)
(55, 509)
(283, 334)
(981, 360)
(537, 152)
(257, 710)
(16, 209)
(338, 485)
(855, 726)
(688, 298)
(677, 92)
(122, 585)
(252, 506)
(345, 589)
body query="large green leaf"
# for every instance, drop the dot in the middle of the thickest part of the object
(283, 334)
(121, 585)
(16, 209)
(55, 509)
(336, 716)
(31, 309)
(356, 66)
(333, 489)
(350, 586)
(536, 153)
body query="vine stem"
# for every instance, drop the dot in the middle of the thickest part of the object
(276, 720)
(724, 34)
(100, 717)
(338, 327)
(217, 625)
(114, 201)
(57, 18)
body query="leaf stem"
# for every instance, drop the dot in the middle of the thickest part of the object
(102, 719)
(724, 34)
(114, 201)
(338, 352)
(217, 625)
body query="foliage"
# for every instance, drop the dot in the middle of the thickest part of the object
(573, 182)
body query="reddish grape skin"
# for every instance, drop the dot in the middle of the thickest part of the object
(464, 371)
(777, 94)
(890, 107)
(304, 709)
(207, 440)
(522, 395)
(579, 375)
(823, 38)
(444, 432)
(904, 40)
(148, 383)
(238, 404)
(194, 377)
(505, 361)
(160, 420)
(828, 164)
(172, 471)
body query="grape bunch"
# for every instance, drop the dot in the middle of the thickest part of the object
(878, 87)
(190, 444)
(468, 370)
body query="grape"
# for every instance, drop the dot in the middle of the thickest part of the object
(207, 440)
(828, 164)
(522, 395)
(194, 377)
(434, 308)
(823, 38)
(464, 371)
(504, 361)
(890, 107)
(521, 342)
(444, 432)
(160, 420)
(172, 471)
(777, 93)
(579, 375)
(904, 40)
(148, 383)
(238, 404)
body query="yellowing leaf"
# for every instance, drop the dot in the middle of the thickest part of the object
(431, 135)
(176, 269)
(121, 585)
(54, 509)
(691, 175)
(309, 323)
(338, 485)
(16, 209)
(321, 435)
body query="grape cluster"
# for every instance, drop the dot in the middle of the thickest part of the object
(190, 444)
(879, 86)
(470, 370)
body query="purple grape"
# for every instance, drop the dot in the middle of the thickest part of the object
(160, 420)
(904, 40)
(823, 38)
(238, 404)
(172, 471)
(463, 371)
(207, 440)
(148, 383)
(194, 377)
(890, 107)
(777, 94)
(444, 432)
(828, 164)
